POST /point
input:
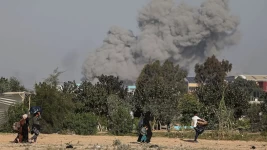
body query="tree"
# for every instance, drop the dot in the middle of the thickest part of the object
(13, 114)
(238, 95)
(10, 85)
(53, 79)
(187, 106)
(81, 123)
(94, 97)
(159, 88)
(210, 77)
(254, 117)
(112, 85)
(70, 87)
(212, 71)
(120, 121)
(55, 104)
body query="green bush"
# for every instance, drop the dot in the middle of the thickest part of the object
(81, 124)
(243, 124)
(56, 106)
(255, 119)
(135, 124)
(103, 121)
(187, 105)
(120, 121)
(14, 114)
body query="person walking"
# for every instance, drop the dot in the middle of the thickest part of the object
(22, 122)
(199, 128)
(25, 130)
(145, 120)
(35, 127)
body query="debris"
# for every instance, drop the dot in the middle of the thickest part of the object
(69, 146)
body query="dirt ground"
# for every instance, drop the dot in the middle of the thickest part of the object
(56, 141)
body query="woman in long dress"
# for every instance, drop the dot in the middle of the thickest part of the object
(22, 123)
(25, 131)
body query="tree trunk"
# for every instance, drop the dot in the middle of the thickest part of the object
(153, 124)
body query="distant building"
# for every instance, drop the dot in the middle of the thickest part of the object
(191, 84)
(131, 88)
(261, 80)
(8, 99)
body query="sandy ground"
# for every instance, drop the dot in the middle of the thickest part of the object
(55, 141)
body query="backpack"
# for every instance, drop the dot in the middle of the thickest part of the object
(16, 126)
(202, 123)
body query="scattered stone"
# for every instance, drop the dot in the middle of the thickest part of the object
(253, 147)
(69, 146)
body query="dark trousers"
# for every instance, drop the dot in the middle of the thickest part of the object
(25, 134)
(36, 132)
(139, 137)
(199, 130)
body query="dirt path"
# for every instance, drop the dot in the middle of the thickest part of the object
(55, 141)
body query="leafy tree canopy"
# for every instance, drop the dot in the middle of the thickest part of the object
(187, 106)
(238, 95)
(159, 88)
(211, 76)
(11, 85)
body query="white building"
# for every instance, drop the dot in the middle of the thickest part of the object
(8, 99)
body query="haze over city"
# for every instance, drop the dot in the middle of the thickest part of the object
(38, 36)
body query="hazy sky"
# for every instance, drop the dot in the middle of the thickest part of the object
(38, 36)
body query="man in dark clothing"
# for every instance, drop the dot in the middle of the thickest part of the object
(36, 126)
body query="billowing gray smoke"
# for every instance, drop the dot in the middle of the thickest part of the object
(180, 33)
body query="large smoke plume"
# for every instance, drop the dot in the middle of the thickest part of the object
(180, 33)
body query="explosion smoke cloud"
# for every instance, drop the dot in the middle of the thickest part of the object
(180, 33)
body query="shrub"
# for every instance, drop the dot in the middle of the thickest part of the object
(116, 142)
(14, 114)
(253, 115)
(119, 118)
(243, 124)
(187, 106)
(121, 121)
(56, 106)
(135, 124)
(82, 124)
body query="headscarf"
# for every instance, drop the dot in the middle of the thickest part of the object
(25, 116)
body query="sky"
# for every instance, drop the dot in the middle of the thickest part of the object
(38, 36)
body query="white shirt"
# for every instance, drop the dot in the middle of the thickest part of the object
(194, 121)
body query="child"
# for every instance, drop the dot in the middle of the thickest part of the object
(144, 133)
